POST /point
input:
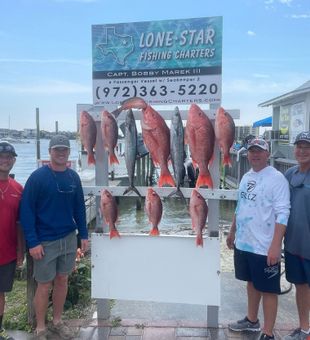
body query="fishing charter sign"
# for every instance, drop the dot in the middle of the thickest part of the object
(164, 62)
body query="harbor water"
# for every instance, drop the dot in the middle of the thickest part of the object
(175, 218)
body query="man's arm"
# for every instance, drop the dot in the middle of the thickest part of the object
(274, 252)
(230, 240)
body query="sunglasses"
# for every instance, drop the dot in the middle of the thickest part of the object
(69, 189)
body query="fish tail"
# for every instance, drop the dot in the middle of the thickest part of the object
(227, 160)
(114, 233)
(166, 178)
(134, 189)
(113, 158)
(154, 231)
(199, 240)
(204, 180)
(134, 103)
(177, 192)
(91, 159)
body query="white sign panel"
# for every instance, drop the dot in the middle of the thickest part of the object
(159, 269)
(164, 62)
(297, 122)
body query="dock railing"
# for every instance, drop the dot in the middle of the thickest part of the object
(231, 176)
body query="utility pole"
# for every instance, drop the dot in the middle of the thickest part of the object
(38, 133)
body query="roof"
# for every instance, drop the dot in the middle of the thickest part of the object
(263, 122)
(305, 88)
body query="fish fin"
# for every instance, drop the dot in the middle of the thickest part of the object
(195, 164)
(134, 189)
(211, 159)
(199, 240)
(204, 180)
(91, 159)
(113, 159)
(114, 233)
(145, 126)
(117, 112)
(154, 231)
(134, 103)
(227, 160)
(177, 192)
(166, 178)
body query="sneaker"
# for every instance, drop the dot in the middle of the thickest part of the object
(297, 334)
(42, 335)
(4, 335)
(62, 330)
(266, 337)
(245, 325)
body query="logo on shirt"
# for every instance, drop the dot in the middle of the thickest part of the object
(250, 186)
(248, 195)
(271, 271)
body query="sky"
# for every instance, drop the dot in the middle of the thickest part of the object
(46, 56)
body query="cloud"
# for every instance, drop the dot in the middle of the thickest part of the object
(259, 75)
(251, 33)
(285, 2)
(269, 4)
(80, 1)
(46, 61)
(300, 16)
(50, 87)
(261, 86)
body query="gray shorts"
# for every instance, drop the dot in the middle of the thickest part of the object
(59, 258)
(7, 272)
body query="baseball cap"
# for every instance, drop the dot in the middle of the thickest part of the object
(258, 142)
(303, 137)
(59, 141)
(6, 147)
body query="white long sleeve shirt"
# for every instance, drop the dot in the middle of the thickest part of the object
(263, 200)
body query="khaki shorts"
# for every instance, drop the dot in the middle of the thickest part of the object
(59, 258)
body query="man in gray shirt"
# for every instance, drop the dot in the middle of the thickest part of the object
(297, 237)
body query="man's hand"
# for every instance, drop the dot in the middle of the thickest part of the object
(37, 252)
(84, 245)
(274, 255)
(20, 258)
(230, 239)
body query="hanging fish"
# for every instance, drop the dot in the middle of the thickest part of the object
(88, 133)
(154, 209)
(109, 211)
(200, 136)
(131, 150)
(177, 151)
(156, 137)
(225, 133)
(109, 131)
(198, 210)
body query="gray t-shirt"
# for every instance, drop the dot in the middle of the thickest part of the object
(297, 236)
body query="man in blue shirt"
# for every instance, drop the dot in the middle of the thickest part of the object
(52, 211)
(297, 237)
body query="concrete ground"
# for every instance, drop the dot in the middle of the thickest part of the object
(132, 320)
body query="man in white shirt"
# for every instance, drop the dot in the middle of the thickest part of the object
(256, 236)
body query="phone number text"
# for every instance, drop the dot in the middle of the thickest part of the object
(161, 90)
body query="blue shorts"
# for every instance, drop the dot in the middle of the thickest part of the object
(7, 273)
(253, 268)
(297, 269)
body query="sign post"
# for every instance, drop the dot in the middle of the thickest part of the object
(175, 63)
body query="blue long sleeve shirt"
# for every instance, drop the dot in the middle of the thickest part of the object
(52, 206)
